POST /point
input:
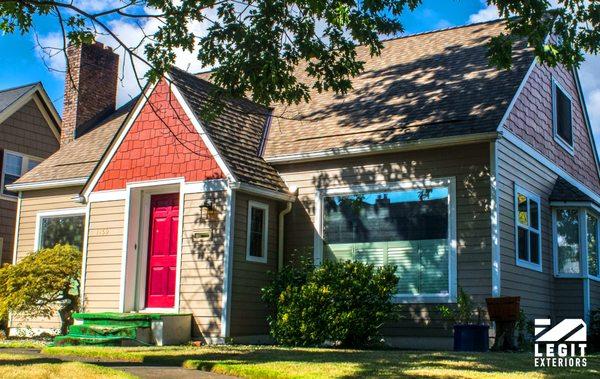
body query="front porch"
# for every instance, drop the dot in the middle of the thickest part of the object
(127, 329)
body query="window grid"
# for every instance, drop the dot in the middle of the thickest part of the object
(528, 261)
(13, 170)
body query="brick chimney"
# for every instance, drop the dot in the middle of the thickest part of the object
(90, 89)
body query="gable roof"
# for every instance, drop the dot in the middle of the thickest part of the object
(12, 99)
(237, 132)
(77, 159)
(430, 85)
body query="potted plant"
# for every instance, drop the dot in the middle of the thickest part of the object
(505, 312)
(469, 334)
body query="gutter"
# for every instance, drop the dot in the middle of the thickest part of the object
(383, 148)
(46, 185)
(260, 191)
(280, 235)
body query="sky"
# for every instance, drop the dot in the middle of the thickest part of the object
(22, 61)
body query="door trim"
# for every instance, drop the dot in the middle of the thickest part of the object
(141, 191)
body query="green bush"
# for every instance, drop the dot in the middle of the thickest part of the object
(340, 302)
(42, 283)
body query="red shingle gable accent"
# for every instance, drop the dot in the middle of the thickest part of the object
(162, 143)
(531, 120)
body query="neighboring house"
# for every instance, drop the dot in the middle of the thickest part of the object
(460, 174)
(29, 133)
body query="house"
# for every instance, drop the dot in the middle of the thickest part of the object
(460, 174)
(29, 133)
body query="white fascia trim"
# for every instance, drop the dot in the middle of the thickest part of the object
(198, 126)
(19, 103)
(54, 213)
(49, 118)
(495, 224)
(575, 204)
(86, 231)
(587, 121)
(228, 262)
(449, 182)
(46, 185)
(17, 225)
(265, 234)
(255, 190)
(517, 94)
(506, 134)
(120, 137)
(382, 148)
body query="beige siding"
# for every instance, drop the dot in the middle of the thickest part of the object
(32, 203)
(248, 312)
(568, 298)
(535, 288)
(469, 164)
(105, 247)
(594, 295)
(26, 132)
(201, 281)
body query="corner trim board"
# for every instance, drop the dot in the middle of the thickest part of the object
(228, 263)
(495, 224)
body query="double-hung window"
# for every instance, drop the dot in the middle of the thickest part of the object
(593, 251)
(576, 243)
(528, 226)
(15, 165)
(64, 227)
(562, 119)
(410, 228)
(257, 236)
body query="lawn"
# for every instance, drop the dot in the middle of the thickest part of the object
(277, 362)
(28, 366)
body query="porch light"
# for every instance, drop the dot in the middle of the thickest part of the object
(208, 210)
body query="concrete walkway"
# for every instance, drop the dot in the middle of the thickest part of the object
(141, 370)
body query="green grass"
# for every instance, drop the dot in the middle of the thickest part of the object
(23, 344)
(27, 366)
(278, 362)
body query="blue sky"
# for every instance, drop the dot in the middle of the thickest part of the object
(22, 61)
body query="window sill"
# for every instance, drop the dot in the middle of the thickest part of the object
(569, 276)
(9, 198)
(251, 258)
(423, 299)
(594, 278)
(529, 265)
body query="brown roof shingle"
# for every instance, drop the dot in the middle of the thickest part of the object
(429, 85)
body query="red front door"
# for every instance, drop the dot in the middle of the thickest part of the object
(162, 251)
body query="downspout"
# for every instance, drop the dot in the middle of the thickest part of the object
(282, 214)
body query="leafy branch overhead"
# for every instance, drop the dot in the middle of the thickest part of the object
(259, 47)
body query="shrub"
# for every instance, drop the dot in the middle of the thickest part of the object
(342, 302)
(42, 283)
(463, 313)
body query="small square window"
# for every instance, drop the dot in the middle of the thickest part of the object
(14, 166)
(257, 236)
(562, 117)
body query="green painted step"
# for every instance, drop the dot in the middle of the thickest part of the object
(103, 331)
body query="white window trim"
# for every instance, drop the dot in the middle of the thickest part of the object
(582, 242)
(564, 144)
(54, 214)
(26, 158)
(449, 182)
(265, 247)
(530, 196)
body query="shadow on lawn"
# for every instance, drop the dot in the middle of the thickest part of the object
(373, 363)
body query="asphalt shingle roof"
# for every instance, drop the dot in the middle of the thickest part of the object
(430, 85)
(9, 96)
(565, 191)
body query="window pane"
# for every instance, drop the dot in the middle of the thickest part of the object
(522, 209)
(533, 214)
(31, 164)
(592, 241)
(522, 236)
(563, 116)
(408, 229)
(65, 230)
(13, 164)
(534, 247)
(567, 230)
(256, 231)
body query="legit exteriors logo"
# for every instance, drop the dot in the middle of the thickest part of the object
(562, 345)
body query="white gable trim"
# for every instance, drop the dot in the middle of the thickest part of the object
(52, 118)
(198, 126)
